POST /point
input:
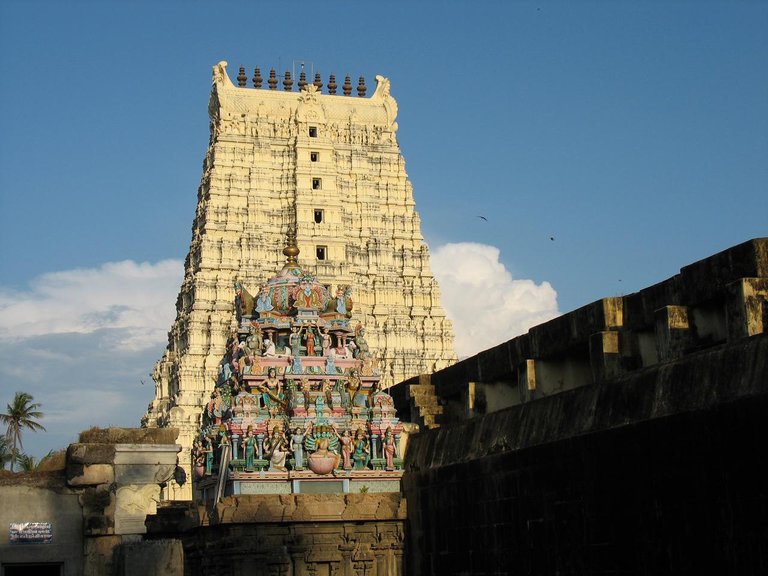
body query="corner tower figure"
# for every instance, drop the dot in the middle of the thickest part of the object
(328, 166)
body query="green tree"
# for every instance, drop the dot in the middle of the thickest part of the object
(22, 413)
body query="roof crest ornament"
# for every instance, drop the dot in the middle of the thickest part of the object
(220, 75)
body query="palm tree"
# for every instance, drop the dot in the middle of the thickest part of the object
(26, 463)
(5, 453)
(22, 413)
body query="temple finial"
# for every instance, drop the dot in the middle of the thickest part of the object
(288, 82)
(291, 251)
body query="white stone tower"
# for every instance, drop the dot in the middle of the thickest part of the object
(328, 165)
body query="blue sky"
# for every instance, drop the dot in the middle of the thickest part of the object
(634, 134)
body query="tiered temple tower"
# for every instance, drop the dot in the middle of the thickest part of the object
(328, 166)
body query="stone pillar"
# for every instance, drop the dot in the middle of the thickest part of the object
(374, 446)
(673, 332)
(398, 553)
(347, 569)
(121, 486)
(380, 554)
(235, 443)
(139, 470)
(604, 355)
(297, 554)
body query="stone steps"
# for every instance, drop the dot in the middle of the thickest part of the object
(425, 405)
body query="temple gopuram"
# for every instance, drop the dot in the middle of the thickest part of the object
(297, 406)
(323, 160)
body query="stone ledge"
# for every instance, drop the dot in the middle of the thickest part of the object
(269, 508)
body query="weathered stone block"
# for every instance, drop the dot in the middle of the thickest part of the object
(747, 307)
(673, 334)
(604, 355)
(85, 475)
(91, 453)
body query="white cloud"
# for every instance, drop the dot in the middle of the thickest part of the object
(83, 343)
(135, 298)
(487, 306)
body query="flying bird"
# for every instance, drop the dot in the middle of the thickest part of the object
(484, 218)
(552, 238)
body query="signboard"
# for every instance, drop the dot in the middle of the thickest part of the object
(30, 533)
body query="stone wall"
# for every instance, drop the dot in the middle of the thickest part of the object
(290, 535)
(663, 474)
(648, 459)
(44, 498)
(99, 503)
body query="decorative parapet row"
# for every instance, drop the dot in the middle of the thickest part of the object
(272, 82)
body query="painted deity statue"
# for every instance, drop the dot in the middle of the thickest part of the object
(249, 448)
(264, 301)
(389, 449)
(271, 391)
(297, 447)
(276, 447)
(326, 341)
(361, 451)
(357, 396)
(310, 341)
(254, 341)
(243, 301)
(361, 344)
(345, 440)
(294, 340)
(343, 302)
(208, 450)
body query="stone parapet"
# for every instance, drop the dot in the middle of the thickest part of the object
(713, 302)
